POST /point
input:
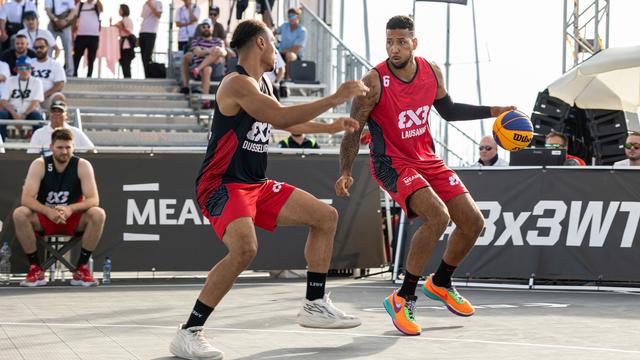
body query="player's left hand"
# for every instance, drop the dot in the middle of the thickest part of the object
(497, 110)
(64, 211)
(347, 124)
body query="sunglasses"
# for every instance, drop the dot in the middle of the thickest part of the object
(39, 47)
(632, 145)
(23, 68)
(205, 27)
(553, 146)
(486, 148)
(292, 16)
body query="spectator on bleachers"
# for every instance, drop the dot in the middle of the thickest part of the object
(186, 20)
(5, 74)
(127, 40)
(489, 153)
(558, 140)
(50, 72)
(21, 96)
(265, 8)
(298, 141)
(631, 151)
(293, 38)
(32, 32)
(61, 15)
(218, 29)
(11, 19)
(58, 119)
(20, 48)
(276, 77)
(88, 35)
(208, 58)
(151, 13)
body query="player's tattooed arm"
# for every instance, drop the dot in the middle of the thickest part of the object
(361, 108)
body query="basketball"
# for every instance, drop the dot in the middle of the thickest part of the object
(513, 130)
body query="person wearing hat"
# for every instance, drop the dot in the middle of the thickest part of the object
(32, 33)
(21, 96)
(151, 13)
(49, 71)
(20, 48)
(207, 50)
(11, 19)
(58, 118)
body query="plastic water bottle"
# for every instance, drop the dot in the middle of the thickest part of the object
(5, 264)
(106, 271)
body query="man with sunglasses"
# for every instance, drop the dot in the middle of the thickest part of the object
(21, 96)
(49, 71)
(293, 38)
(489, 153)
(556, 140)
(631, 150)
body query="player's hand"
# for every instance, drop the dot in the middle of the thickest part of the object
(55, 216)
(350, 89)
(64, 210)
(344, 123)
(343, 184)
(497, 110)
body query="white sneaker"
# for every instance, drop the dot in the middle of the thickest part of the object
(321, 313)
(191, 344)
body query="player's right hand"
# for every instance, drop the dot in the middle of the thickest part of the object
(343, 184)
(350, 89)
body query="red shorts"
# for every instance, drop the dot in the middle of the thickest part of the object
(262, 202)
(410, 178)
(51, 228)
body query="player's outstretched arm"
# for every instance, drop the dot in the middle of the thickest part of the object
(339, 124)
(360, 110)
(451, 111)
(242, 92)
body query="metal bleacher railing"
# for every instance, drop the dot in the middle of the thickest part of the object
(342, 63)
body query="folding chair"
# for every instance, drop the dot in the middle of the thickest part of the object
(55, 248)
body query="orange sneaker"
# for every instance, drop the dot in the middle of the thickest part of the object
(402, 312)
(455, 302)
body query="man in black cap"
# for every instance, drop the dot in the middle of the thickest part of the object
(32, 32)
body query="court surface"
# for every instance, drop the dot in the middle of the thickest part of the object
(257, 321)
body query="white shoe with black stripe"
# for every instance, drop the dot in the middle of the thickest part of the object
(321, 313)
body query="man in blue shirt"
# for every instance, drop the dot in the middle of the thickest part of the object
(293, 37)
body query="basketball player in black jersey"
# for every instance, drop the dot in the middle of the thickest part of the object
(59, 197)
(234, 193)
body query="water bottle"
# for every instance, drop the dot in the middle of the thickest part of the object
(106, 271)
(5, 264)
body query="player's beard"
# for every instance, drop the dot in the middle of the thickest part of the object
(41, 55)
(401, 65)
(62, 159)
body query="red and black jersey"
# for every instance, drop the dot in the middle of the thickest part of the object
(60, 188)
(399, 123)
(237, 150)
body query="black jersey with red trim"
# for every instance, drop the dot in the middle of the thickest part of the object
(237, 150)
(60, 188)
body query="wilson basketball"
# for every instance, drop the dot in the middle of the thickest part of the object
(513, 130)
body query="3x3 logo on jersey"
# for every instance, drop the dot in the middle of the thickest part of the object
(57, 198)
(259, 132)
(409, 118)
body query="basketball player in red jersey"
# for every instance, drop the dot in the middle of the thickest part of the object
(235, 195)
(403, 89)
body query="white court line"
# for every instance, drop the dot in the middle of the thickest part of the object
(336, 284)
(309, 332)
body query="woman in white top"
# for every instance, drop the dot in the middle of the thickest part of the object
(127, 40)
(88, 35)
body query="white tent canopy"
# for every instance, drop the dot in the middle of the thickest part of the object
(608, 80)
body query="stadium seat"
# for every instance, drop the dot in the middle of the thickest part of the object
(303, 72)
